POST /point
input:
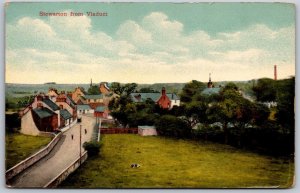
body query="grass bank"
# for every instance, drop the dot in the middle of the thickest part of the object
(18, 147)
(171, 163)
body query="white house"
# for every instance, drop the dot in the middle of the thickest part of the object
(84, 109)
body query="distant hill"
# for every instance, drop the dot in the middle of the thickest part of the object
(50, 83)
(20, 90)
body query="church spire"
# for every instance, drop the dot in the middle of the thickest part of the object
(210, 84)
(91, 83)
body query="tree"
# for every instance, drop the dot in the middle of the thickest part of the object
(190, 89)
(285, 104)
(126, 89)
(148, 90)
(129, 88)
(94, 90)
(265, 90)
(231, 108)
(117, 88)
(93, 148)
(169, 125)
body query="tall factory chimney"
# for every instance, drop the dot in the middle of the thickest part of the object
(275, 72)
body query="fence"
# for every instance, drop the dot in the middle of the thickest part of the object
(66, 172)
(118, 130)
(9, 174)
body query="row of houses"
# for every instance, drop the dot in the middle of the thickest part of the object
(54, 111)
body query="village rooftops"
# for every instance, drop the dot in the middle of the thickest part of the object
(100, 109)
(65, 114)
(43, 112)
(83, 107)
(71, 100)
(51, 104)
(210, 91)
(98, 96)
(142, 97)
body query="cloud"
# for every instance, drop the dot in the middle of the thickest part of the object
(154, 49)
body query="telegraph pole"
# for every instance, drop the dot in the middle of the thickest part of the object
(80, 146)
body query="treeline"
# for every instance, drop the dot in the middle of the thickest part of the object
(225, 117)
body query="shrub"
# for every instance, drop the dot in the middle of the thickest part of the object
(93, 148)
(169, 125)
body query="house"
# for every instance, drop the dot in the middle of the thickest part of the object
(65, 101)
(41, 115)
(93, 98)
(100, 112)
(52, 93)
(45, 119)
(65, 118)
(77, 94)
(147, 130)
(211, 89)
(84, 109)
(104, 88)
(164, 100)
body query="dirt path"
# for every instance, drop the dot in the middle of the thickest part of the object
(64, 153)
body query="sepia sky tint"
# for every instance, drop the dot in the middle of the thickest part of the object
(149, 42)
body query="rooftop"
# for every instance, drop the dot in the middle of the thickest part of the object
(65, 114)
(100, 109)
(51, 104)
(210, 91)
(98, 96)
(153, 96)
(43, 112)
(83, 107)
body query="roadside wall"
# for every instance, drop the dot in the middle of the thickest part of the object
(67, 171)
(15, 170)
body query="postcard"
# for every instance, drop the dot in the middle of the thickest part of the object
(149, 95)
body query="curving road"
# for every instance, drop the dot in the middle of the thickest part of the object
(64, 153)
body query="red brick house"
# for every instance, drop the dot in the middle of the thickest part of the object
(164, 101)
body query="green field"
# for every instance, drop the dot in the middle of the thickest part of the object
(18, 147)
(171, 163)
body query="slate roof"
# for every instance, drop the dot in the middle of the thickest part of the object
(100, 109)
(83, 107)
(51, 104)
(98, 96)
(71, 100)
(65, 114)
(43, 112)
(153, 96)
(210, 91)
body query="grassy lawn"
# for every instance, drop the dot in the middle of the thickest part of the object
(18, 147)
(170, 163)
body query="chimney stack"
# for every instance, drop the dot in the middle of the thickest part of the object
(163, 91)
(275, 72)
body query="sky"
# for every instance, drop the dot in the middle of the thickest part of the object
(149, 42)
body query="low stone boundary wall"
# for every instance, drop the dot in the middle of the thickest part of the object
(15, 170)
(118, 130)
(66, 172)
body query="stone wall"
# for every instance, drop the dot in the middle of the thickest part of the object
(66, 172)
(9, 174)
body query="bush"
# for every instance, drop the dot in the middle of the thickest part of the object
(169, 125)
(12, 122)
(93, 148)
